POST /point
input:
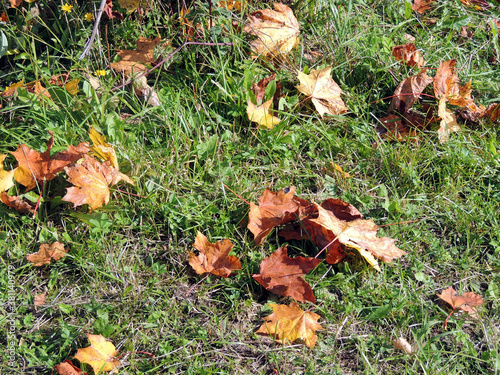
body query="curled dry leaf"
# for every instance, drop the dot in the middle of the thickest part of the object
(134, 61)
(323, 91)
(409, 54)
(408, 92)
(34, 167)
(6, 177)
(17, 203)
(101, 354)
(277, 31)
(46, 253)
(275, 208)
(261, 114)
(403, 345)
(213, 258)
(67, 368)
(290, 323)
(282, 275)
(466, 302)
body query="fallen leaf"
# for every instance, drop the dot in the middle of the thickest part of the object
(466, 302)
(144, 53)
(92, 181)
(259, 88)
(35, 167)
(72, 86)
(6, 177)
(477, 4)
(12, 89)
(15, 3)
(323, 91)
(339, 171)
(146, 92)
(213, 258)
(448, 122)
(409, 54)
(421, 6)
(290, 323)
(232, 4)
(46, 253)
(403, 345)
(281, 275)
(67, 368)
(101, 149)
(100, 355)
(16, 203)
(129, 5)
(261, 114)
(401, 127)
(275, 208)
(408, 92)
(277, 31)
(108, 11)
(40, 299)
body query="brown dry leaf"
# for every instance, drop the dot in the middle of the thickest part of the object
(133, 61)
(261, 114)
(16, 203)
(274, 209)
(409, 54)
(108, 10)
(213, 258)
(35, 167)
(40, 299)
(146, 92)
(290, 323)
(101, 354)
(477, 4)
(466, 302)
(12, 89)
(6, 177)
(92, 181)
(446, 81)
(403, 345)
(282, 275)
(448, 122)
(277, 31)
(46, 253)
(403, 127)
(408, 92)
(259, 88)
(421, 6)
(67, 368)
(323, 91)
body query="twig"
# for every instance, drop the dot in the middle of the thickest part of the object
(90, 41)
(228, 188)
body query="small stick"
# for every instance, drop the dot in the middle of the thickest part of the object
(90, 41)
(195, 285)
(402, 222)
(228, 188)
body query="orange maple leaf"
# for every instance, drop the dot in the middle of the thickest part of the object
(213, 258)
(466, 302)
(282, 275)
(290, 323)
(67, 368)
(136, 60)
(274, 209)
(34, 167)
(92, 181)
(408, 92)
(409, 54)
(100, 354)
(421, 6)
(46, 253)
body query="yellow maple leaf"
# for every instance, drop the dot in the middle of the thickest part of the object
(6, 177)
(100, 354)
(323, 90)
(260, 114)
(277, 31)
(101, 149)
(72, 86)
(129, 5)
(290, 323)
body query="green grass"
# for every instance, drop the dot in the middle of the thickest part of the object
(126, 275)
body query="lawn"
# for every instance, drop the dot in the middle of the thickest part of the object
(196, 160)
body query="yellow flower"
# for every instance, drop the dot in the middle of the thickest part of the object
(66, 8)
(89, 17)
(100, 73)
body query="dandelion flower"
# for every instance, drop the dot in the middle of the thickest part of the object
(100, 73)
(66, 8)
(89, 17)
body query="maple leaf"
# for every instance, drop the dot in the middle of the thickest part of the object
(275, 208)
(46, 253)
(16, 203)
(259, 89)
(135, 60)
(213, 258)
(92, 181)
(421, 6)
(408, 92)
(6, 177)
(409, 54)
(290, 323)
(67, 368)
(466, 302)
(448, 122)
(261, 115)
(281, 275)
(40, 299)
(276, 30)
(323, 91)
(100, 354)
(34, 167)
